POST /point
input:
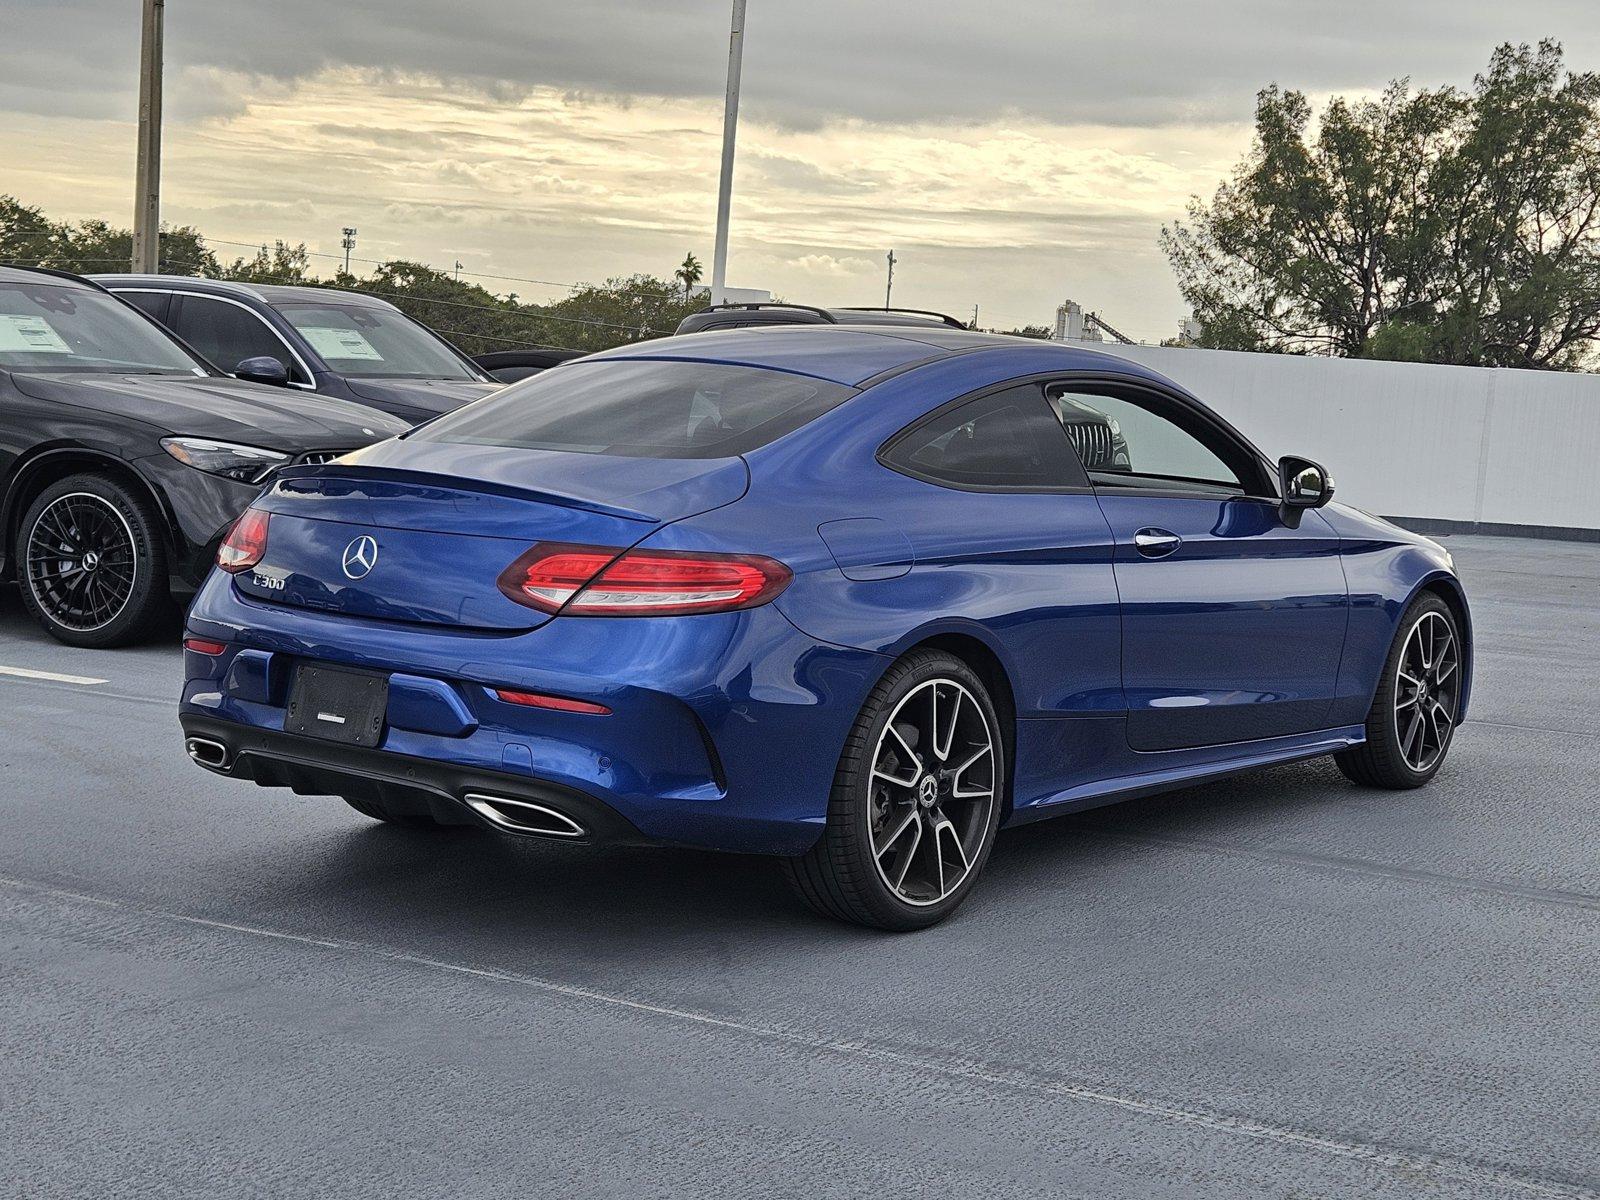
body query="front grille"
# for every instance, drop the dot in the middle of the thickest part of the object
(311, 458)
(315, 458)
(1092, 441)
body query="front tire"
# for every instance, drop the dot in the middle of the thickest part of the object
(92, 563)
(915, 803)
(1417, 705)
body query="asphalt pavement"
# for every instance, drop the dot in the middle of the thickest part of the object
(1280, 985)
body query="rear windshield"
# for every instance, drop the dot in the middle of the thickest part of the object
(657, 409)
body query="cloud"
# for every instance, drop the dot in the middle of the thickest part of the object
(829, 266)
(1012, 153)
(1158, 62)
(555, 187)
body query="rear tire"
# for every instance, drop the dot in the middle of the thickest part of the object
(379, 811)
(92, 563)
(915, 802)
(1413, 717)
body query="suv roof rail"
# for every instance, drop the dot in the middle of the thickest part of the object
(54, 271)
(915, 312)
(755, 304)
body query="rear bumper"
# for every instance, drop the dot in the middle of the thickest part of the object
(723, 731)
(452, 794)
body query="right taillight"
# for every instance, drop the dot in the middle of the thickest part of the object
(246, 542)
(605, 581)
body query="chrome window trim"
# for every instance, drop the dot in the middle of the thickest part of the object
(293, 353)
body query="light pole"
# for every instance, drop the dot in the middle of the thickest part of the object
(147, 200)
(889, 287)
(730, 129)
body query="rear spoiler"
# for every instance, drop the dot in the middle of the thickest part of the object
(357, 472)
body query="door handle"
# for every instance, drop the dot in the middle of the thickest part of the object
(1156, 543)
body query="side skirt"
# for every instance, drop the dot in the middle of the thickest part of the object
(1159, 772)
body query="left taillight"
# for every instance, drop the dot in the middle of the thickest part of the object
(605, 581)
(246, 542)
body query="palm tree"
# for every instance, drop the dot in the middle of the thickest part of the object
(689, 273)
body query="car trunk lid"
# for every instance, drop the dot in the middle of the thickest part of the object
(378, 537)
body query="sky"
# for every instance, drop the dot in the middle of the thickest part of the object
(1012, 153)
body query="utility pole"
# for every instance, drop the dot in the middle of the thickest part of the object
(147, 200)
(888, 290)
(730, 130)
(349, 244)
(974, 316)
(458, 270)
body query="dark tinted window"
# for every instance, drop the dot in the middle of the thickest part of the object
(643, 410)
(1008, 440)
(154, 304)
(228, 334)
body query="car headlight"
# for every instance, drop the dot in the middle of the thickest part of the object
(1116, 429)
(243, 464)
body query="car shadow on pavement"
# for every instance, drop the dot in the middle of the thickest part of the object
(502, 891)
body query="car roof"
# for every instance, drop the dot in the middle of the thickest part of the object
(852, 354)
(265, 293)
(42, 276)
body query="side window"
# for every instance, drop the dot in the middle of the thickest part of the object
(228, 334)
(152, 304)
(1126, 443)
(1007, 441)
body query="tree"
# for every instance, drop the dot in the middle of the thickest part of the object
(472, 318)
(1041, 332)
(621, 310)
(1435, 225)
(689, 274)
(28, 238)
(1520, 209)
(592, 317)
(282, 263)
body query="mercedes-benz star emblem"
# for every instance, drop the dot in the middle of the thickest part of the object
(360, 556)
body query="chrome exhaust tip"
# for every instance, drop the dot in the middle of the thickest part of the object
(524, 816)
(207, 753)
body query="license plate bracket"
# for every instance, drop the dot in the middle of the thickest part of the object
(337, 705)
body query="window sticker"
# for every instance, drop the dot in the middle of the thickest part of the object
(31, 335)
(331, 342)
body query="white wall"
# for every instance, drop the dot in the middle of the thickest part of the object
(1409, 440)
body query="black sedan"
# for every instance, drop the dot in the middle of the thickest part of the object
(124, 456)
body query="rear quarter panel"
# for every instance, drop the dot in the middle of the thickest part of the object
(1027, 574)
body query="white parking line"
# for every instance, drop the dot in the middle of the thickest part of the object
(53, 676)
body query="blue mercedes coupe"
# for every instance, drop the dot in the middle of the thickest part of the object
(854, 597)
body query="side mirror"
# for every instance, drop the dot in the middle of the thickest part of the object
(265, 369)
(1304, 484)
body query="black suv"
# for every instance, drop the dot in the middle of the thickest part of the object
(125, 456)
(345, 345)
